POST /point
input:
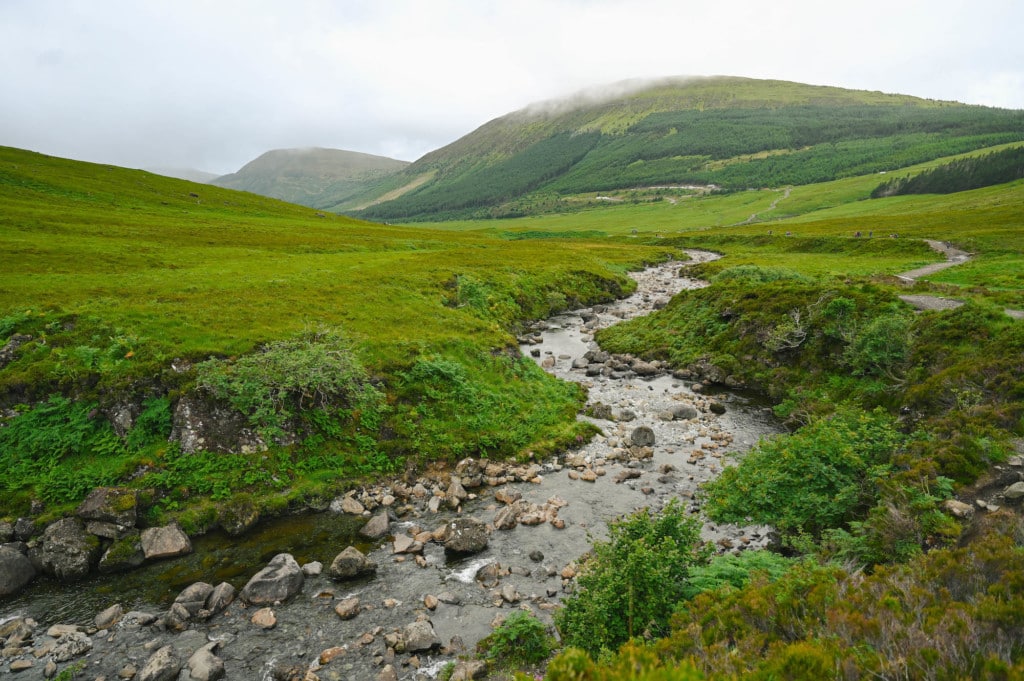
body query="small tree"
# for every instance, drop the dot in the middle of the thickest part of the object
(631, 584)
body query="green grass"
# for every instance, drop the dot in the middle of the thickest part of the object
(116, 273)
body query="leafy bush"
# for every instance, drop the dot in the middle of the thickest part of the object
(631, 663)
(631, 583)
(882, 347)
(317, 370)
(820, 477)
(753, 274)
(519, 641)
(734, 570)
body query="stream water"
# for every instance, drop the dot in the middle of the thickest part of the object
(685, 453)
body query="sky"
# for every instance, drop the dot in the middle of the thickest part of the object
(212, 84)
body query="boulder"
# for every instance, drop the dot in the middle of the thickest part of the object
(505, 518)
(377, 527)
(163, 665)
(194, 597)
(117, 505)
(958, 509)
(16, 570)
(66, 551)
(6, 531)
(264, 618)
(124, 554)
(420, 636)
(239, 515)
(467, 670)
(280, 580)
(71, 645)
(465, 535)
(1014, 491)
(109, 617)
(347, 608)
(165, 542)
(204, 665)
(684, 412)
(220, 598)
(642, 436)
(349, 564)
(717, 408)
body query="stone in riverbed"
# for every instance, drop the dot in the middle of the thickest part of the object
(193, 598)
(163, 665)
(67, 551)
(264, 618)
(465, 535)
(16, 570)
(642, 436)
(280, 580)
(109, 617)
(220, 598)
(165, 542)
(124, 554)
(349, 564)
(71, 645)
(204, 665)
(347, 608)
(420, 636)
(116, 505)
(377, 527)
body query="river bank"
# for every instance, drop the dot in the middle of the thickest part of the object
(660, 439)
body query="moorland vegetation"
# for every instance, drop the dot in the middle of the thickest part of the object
(355, 349)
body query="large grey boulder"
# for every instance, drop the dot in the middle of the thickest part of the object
(193, 598)
(66, 550)
(280, 580)
(123, 554)
(349, 564)
(204, 665)
(116, 505)
(1014, 491)
(163, 665)
(465, 535)
(420, 636)
(16, 570)
(165, 542)
(377, 527)
(642, 436)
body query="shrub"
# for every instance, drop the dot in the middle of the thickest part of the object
(317, 370)
(632, 582)
(820, 477)
(519, 641)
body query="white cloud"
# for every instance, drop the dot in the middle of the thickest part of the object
(211, 85)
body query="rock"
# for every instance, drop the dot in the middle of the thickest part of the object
(50, 670)
(280, 580)
(430, 602)
(420, 636)
(109, 617)
(16, 570)
(456, 493)
(124, 554)
(405, 544)
(104, 530)
(388, 673)
(642, 368)
(239, 515)
(194, 597)
(331, 654)
(163, 665)
(489, 575)
(176, 618)
(264, 618)
(347, 608)
(201, 422)
(958, 509)
(24, 528)
(117, 505)
(626, 415)
(449, 597)
(642, 436)
(165, 542)
(717, 408)
(66, 551)
(139, 618)
(507, 496)
(71, 645)
(21, 665)
(349, 564)
(204, 665)
(6, 531)
(349, 504)
(220, 598)
(684, 412)
(509, 594)
(467, 670)
(465, 536)
(536, 556)
(1014, 491)
(505, 518)
(377, 527)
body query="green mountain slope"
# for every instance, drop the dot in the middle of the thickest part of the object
(733, 133)
(318, 178)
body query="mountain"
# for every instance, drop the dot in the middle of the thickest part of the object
(729, 133)
(190, 174)
(318, 178)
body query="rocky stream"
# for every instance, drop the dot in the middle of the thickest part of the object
(396, 581)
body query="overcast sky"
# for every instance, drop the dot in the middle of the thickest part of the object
(211, 84)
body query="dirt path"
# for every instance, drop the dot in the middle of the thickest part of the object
(954, 256)
(771, 207)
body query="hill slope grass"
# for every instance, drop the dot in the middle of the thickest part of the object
(114, 275)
